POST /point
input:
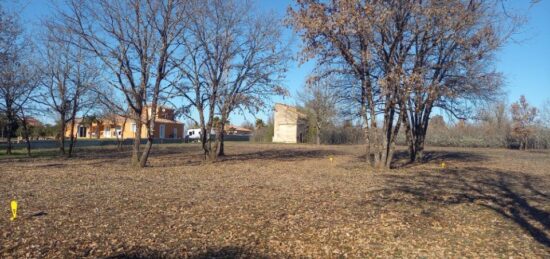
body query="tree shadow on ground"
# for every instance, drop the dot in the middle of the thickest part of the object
(194, 156)
(401, 158)
(214, 252)
(281, 155)
(229, 252)
(522, 198)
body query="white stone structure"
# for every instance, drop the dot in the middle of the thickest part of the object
(290, 124)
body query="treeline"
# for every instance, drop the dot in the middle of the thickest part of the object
(496, 125)
(36, 131)
(516, 126)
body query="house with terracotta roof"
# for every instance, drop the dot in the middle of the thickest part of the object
(117, 126)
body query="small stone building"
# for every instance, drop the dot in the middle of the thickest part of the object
(290, 124)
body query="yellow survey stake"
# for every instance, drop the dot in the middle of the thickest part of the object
(13, 210)
(443, 165)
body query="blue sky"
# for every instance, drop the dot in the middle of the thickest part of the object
(525, 61)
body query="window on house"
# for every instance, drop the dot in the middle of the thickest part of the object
(134, 128)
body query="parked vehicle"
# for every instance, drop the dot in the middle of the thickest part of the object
(194, 135)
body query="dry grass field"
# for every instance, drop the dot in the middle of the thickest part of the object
(267, 201)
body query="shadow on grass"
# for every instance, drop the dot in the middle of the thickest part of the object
(514, 195)
(281, 155)
(223, 252)
(192, 155)
(401, 158)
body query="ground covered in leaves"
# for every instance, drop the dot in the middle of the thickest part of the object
(277, 201)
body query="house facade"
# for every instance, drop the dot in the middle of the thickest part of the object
(116, 126)
(290, 125)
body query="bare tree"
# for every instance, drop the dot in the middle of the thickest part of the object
(69, 79)
(134, 39)
(256, 70)
(451, 67)
(545, 113)
(17, 77)
(320, 105)
(232, 60)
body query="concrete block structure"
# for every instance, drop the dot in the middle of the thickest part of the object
(290, 124)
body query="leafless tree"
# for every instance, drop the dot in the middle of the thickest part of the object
(545, 113)
(320, 104)
(17, 75)
(256, 71)
(70, 76)
(134, 40)
(452, 63)
(232, 60)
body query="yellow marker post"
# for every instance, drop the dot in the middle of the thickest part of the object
(330, 158)
(443, 165)
(13, 210)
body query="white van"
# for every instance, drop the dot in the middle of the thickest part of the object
(195, 135)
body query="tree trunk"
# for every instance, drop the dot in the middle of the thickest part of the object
(318, 134)
(9, 129)
(392, 140)
(26, 135)
(62, 135)
(367, 145)
(375, 145)
(217, 142)
(419, 146)
(221, 151)
(205, 138)
(365, 116)
(71, 139)
(147, 150)
(150, 134)
(137, 143)
(119, 146)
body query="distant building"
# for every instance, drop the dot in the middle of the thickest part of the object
(290, 124)
(33, 122)
(235, 130)
(166, 127)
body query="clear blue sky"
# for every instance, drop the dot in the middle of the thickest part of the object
(525, 61)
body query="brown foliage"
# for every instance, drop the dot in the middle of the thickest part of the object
(523, 118)
(405, 58)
